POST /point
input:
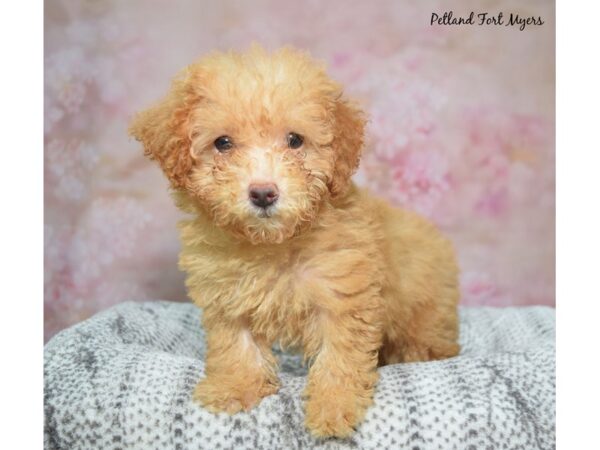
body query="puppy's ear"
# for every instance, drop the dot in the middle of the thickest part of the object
(347, 144)
(164, 129)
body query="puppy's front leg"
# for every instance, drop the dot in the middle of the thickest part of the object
(342, 378)
(240, 368)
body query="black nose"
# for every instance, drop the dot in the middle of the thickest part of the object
(263, 195)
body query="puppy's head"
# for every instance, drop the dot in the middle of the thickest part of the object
(259, 140)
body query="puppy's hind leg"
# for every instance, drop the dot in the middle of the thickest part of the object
(429, 335)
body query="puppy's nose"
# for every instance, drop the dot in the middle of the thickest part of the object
(263, 195)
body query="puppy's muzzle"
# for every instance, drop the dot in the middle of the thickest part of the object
(263, 195)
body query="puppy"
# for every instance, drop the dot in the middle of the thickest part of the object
(282, 247)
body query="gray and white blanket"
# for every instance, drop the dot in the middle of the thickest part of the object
(123, 380)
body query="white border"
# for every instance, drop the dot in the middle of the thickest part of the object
(578, 225)
(21, 235)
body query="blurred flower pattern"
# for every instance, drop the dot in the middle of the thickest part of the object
(461, 130)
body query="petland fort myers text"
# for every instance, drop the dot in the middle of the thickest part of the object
(484, 18)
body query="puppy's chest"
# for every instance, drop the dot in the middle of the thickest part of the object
(280, 293)
(277, 293)
(273, 291)
(285, 298)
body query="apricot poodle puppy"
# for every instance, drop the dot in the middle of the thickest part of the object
(259, 147)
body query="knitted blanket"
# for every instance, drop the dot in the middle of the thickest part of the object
(123, 380)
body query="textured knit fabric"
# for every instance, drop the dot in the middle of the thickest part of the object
(123, 380)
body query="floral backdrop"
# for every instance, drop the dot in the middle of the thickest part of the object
(461, 129)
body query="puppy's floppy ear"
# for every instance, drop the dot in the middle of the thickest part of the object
(347, 144)
(164, 129)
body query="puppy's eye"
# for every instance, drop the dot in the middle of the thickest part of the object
(223, 143)
(294, 140)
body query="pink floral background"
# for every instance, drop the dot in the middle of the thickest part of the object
(461, 130)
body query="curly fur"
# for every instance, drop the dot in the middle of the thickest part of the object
(330, 270)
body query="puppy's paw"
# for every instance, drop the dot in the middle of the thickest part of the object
(232, 396)
(415, 352)
(334, 413)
